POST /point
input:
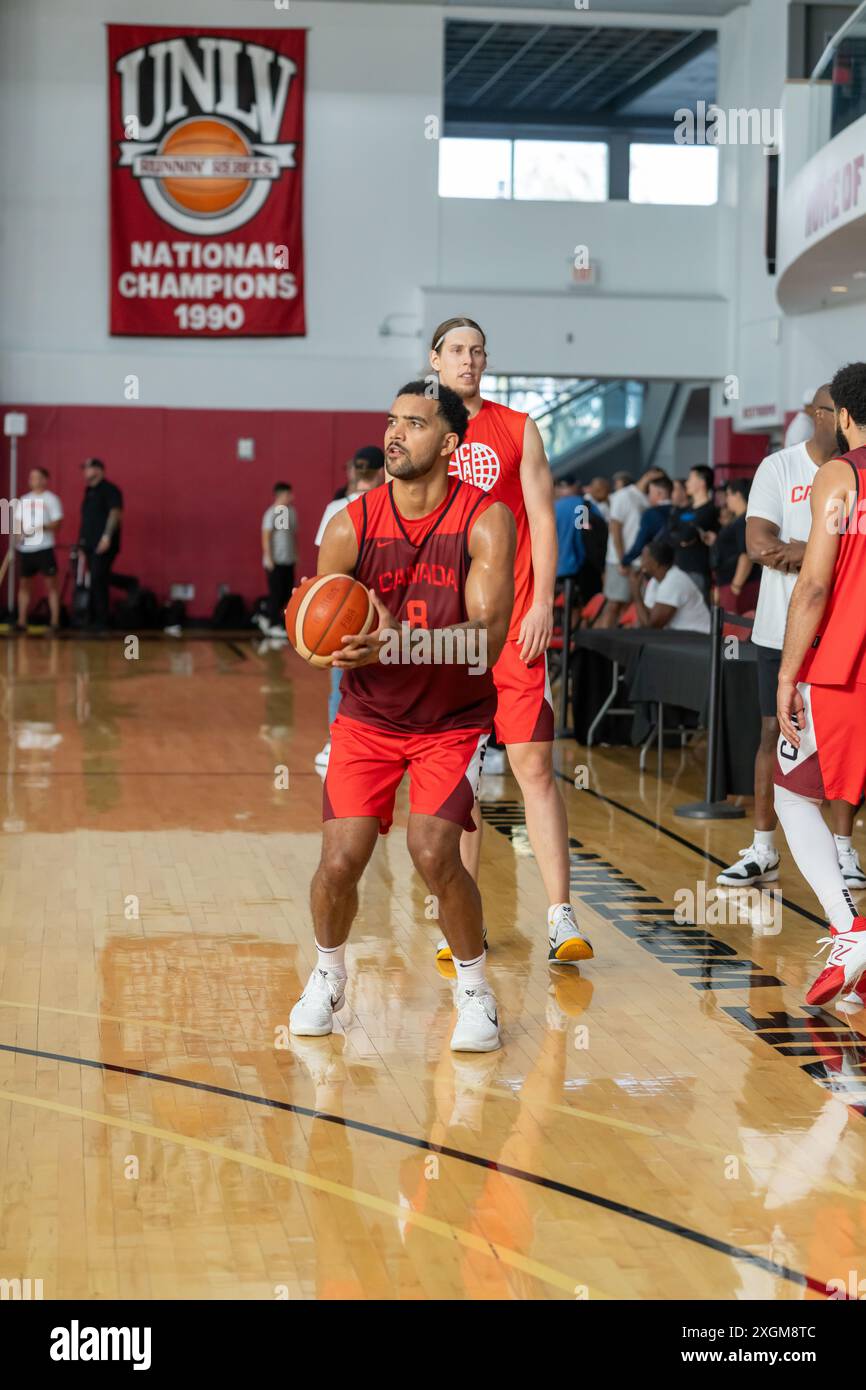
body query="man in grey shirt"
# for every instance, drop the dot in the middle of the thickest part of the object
(279, 550)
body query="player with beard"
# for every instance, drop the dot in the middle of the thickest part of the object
(504, 454)
(435, 553)
(821, 699)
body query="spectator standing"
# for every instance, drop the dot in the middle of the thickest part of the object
(627, 505)
(279, 553)
(100, 535)
(778, 522)
(654, 521)
(40, 513)
(599, 492)
(686, 525)
(736, 575)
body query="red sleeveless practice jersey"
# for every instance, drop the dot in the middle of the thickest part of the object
(838, 653)
(418, 567)
(489, 458)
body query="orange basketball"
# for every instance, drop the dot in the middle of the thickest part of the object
(324, 610)
(208, 138)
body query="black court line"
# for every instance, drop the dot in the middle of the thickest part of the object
(682, 840)
(580, 1194)
(238, 651)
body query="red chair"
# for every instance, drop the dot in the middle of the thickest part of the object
(629, 617)
(590, 610)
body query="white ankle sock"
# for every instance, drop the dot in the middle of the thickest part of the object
(842, 842)
(332, 958)
(765, 838)
(817, 858)
(471, 974)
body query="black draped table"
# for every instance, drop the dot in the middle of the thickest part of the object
(670, 669)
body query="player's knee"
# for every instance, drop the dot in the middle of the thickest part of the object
(340, 868)
(436, 863)
(532, 767)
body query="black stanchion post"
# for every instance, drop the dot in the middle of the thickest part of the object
(563, 730)
(710, 808)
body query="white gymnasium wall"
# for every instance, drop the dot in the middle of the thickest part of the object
(374, 73)
(378, 239)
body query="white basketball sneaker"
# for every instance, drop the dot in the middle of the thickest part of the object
(852, 870)
(323, 996)
(477, 1027)
(756, 864)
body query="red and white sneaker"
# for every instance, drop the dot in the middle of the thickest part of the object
(845, 963)
(856, 998)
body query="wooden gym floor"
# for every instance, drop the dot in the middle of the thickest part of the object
(667, 1123)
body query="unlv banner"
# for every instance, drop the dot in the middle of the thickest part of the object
(206, 147)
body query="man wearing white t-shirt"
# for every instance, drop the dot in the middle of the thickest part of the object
(778, 521)
(40, 514)
(671, 599)
(628, 502)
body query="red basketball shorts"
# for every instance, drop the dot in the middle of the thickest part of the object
(367, 765)
(524, 709)
(830, 763)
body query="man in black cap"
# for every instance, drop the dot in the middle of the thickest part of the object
(101, 516)
(366, 461)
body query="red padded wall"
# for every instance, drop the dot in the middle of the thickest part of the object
(192, 510)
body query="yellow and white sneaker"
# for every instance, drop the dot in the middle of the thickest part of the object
(443, 950)
(568, 944)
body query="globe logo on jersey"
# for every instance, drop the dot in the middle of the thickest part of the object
(477, 464)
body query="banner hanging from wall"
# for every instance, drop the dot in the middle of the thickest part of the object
(206, 135)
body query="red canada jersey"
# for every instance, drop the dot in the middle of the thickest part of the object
(838, 653)
(418, 567)
(489, 458)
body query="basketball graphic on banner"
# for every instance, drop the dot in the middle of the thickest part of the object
(215, 142)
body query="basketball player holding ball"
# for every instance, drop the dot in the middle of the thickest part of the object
(503, 453)
(436, 553)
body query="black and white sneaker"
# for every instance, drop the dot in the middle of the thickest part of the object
(756, 864)
(852, 872)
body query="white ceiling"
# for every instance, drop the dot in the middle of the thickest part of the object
(652, 7)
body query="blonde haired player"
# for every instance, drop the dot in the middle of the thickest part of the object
(503, 453)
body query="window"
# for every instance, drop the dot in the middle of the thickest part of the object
(673, 174)
(560, 170)
(474, 168)
(554, 170)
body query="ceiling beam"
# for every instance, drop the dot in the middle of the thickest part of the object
(503, 123)
(508, 65)
(554, 67)
(608, 62)
(470, 54)
(679, 53)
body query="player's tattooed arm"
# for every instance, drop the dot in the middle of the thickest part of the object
(830, 498)
(536, 629)
(490, 581)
